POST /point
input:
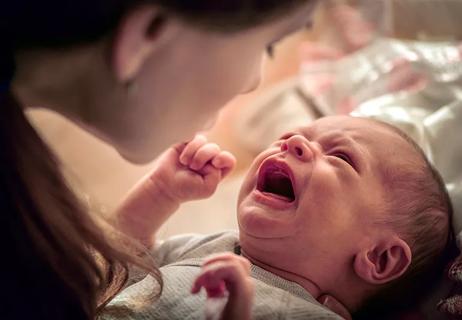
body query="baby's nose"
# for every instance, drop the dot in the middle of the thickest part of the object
(298, 146)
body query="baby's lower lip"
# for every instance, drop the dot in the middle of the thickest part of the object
(272, 200)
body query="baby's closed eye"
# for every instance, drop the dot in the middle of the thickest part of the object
(343, 156)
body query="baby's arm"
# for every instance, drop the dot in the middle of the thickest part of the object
(228, 273)
(187, 171)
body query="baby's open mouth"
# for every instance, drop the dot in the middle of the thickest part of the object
(274, 179)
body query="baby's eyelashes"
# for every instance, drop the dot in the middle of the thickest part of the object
(345, 157)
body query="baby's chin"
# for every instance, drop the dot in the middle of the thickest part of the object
(258, 223)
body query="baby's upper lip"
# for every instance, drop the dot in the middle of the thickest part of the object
(275, 163)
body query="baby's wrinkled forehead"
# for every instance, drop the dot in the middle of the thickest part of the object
(384, 143)
(361, 129)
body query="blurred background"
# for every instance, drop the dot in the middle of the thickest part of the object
(360, 56)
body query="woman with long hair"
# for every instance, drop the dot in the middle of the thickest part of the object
(139, 75)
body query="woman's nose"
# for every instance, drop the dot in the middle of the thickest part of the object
(299, 147)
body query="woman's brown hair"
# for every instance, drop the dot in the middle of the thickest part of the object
(58, 264)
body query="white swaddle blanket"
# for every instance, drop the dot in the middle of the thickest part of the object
(432, 115)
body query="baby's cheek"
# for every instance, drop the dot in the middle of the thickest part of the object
(246, 189)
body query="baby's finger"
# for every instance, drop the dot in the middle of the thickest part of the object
(228, 256)
(213, 275)
(203, 155)
(208, 280)
(232, 273)
(225, 161)
(205, 280)
(179, 147)
(211, 176)
(191, 148)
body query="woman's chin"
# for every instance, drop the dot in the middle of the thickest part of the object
(137, 158)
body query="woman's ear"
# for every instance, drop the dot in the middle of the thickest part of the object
(384, 262)
(140, 33)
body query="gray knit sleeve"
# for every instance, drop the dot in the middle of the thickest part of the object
(172, 249)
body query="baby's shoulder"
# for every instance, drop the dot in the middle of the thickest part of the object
(195, 246)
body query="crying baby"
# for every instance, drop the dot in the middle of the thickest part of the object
(345, 207)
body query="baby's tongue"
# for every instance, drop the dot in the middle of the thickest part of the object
(278, 196)
(280, 187)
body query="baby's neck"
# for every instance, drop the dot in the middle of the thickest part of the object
(313, 289)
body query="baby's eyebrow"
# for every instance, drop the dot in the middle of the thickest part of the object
(308, 131)
(359, 151)
(361, 154)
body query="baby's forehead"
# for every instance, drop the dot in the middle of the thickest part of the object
(360, 128)
(376, 138)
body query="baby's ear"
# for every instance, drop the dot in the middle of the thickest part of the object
(384, 262)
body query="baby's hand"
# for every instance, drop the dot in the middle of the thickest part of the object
(192, 170)
(184, 172)
(228, 273)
